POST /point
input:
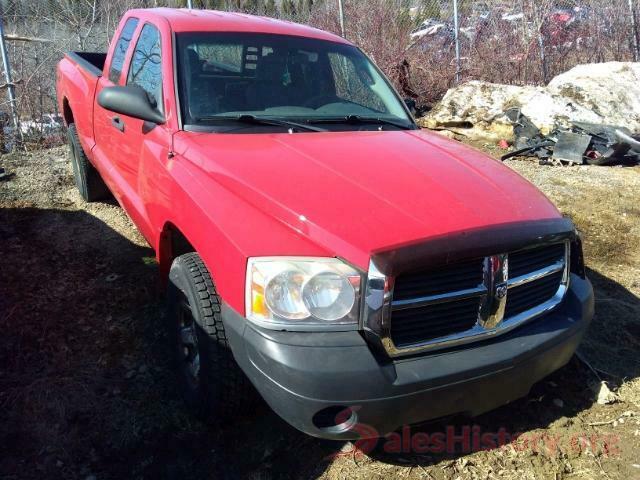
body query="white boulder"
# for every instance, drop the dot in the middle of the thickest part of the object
(607, 93)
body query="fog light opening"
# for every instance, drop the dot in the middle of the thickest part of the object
(336, 419)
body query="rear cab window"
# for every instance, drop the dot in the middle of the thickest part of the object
(120, 50)
(146, 64)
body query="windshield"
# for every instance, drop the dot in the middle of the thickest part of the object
(224, 76)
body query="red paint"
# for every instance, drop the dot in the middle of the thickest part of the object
(343, 194)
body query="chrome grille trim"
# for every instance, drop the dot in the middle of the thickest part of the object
(441, 298)
(537, 275)
(378, 303)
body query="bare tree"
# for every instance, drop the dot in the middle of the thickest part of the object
(530, 50)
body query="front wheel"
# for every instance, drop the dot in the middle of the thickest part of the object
(212, 383)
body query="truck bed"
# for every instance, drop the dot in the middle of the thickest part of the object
(93, 62)
(78, 74)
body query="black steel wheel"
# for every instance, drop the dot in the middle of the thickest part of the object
(212, 383)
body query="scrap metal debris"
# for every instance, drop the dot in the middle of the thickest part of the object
(4, 175)
(604, 395)
(571, 147)
(581, 143)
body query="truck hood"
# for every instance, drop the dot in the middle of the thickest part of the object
(357, 193)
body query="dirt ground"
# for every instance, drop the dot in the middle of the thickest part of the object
(87, 390)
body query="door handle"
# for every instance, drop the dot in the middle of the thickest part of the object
(118, 123)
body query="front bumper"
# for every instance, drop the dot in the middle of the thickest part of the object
(301, 374)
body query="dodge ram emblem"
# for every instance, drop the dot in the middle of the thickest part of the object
(501, 291)
(496, 275)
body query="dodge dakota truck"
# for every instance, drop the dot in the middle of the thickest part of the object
(316, 245)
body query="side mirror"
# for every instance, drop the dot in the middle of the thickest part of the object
(411, 105)
(132, 101)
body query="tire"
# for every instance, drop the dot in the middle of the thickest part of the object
(212, 383)
(602, 161)
(88, 180)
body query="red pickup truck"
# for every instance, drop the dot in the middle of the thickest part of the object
(315, 243)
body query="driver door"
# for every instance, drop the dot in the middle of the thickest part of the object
(132, 143)
(110, 142)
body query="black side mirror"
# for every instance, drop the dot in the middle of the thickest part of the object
(411, 105)
(132, 101)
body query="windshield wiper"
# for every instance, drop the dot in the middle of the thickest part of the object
(360, 120)
(253, 120)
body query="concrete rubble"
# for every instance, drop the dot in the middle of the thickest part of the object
(603, 93)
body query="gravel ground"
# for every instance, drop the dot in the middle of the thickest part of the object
(87, 391)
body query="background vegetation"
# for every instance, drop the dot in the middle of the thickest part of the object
(501, 41)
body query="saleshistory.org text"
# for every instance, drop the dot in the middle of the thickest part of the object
(465, 439)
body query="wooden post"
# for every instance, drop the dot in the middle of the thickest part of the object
(634, 32)
(456, 33)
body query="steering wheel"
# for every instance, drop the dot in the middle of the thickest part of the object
(320, 100)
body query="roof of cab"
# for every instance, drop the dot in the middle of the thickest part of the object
(184, 20)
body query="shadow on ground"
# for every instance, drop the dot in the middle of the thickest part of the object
(87, 386)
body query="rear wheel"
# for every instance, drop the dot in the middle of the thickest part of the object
(212, 383)
(88, 180)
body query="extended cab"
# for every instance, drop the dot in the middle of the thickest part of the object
(360, 273)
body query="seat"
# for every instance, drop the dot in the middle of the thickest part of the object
(201, 94)
(271, 84)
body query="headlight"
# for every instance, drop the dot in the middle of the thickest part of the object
(302, 291)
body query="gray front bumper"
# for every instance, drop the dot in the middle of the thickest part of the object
(300, 374)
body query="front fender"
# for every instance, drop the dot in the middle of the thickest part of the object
(223, 228)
